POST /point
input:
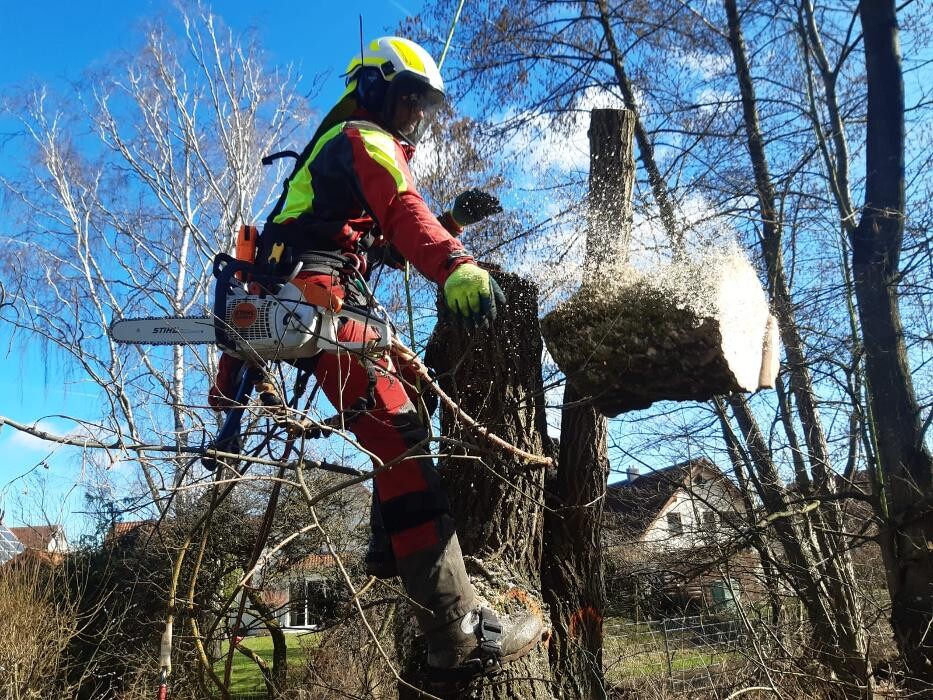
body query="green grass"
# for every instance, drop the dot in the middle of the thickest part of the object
(653, 664)
(245, 676)
(636, 651)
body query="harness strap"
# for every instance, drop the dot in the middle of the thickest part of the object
(489, 653)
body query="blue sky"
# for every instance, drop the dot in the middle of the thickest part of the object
(53, 42)
(56, 40)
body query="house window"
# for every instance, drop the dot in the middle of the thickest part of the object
(709, 520)
(674, 524)
(298, 604)
(312, 602)
(699, 480)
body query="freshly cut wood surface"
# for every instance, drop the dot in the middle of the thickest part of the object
(687, 331)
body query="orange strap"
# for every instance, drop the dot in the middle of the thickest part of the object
(321, 291)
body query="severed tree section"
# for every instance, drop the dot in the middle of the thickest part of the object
(689, 331)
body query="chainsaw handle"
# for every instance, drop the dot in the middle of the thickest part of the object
(221, 260)
(224, 269)
(225, 266)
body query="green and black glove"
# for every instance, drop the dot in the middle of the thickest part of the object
(472, 295)
(472, 206)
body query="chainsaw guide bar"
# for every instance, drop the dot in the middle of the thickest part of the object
(164, 331)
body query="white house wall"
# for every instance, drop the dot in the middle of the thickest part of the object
(58, 544)
(712, 499)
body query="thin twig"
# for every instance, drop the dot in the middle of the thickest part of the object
(425, 375)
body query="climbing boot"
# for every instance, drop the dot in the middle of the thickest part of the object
(269, 396)
(479, 643)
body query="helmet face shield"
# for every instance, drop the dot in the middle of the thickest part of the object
(411, 105)
(414, 113)
(398, 82)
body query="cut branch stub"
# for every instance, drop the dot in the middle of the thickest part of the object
(686, 332)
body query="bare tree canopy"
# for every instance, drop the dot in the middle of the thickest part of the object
(788, 533)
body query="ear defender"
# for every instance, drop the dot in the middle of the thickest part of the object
(371, 89)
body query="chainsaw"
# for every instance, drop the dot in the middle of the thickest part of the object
(265, 319)
(259, 318)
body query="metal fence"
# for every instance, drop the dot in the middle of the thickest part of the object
(681, 656)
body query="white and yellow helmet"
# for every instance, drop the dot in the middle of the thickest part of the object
(392, 67)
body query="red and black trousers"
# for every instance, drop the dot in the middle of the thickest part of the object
(407, 491)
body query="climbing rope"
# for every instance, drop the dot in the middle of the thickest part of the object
(408, 297)
(450, 34)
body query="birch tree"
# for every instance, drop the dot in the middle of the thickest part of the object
(133, 181)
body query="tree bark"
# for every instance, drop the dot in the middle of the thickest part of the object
(835, 586)
(612, 179)
(839, 638)
(572, 569)
(496, 499)
(742, 466)
(276, 677)
(906, 465)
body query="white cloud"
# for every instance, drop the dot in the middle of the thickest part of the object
(706, 65)
(542, 145)
(17, 441)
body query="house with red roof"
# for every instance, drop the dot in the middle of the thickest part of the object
(46, 541)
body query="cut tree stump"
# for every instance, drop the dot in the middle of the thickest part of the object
(496, 497)
(688, 331)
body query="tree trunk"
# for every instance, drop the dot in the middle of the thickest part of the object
(906, 465)
(612, 179)
(496, 498)
(276, 677)
(837, 634)
(572, 569)
(820, 527)
(742, 466)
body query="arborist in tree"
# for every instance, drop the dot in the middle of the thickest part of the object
(349, 200)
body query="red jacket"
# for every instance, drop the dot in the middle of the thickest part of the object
(352, 177)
